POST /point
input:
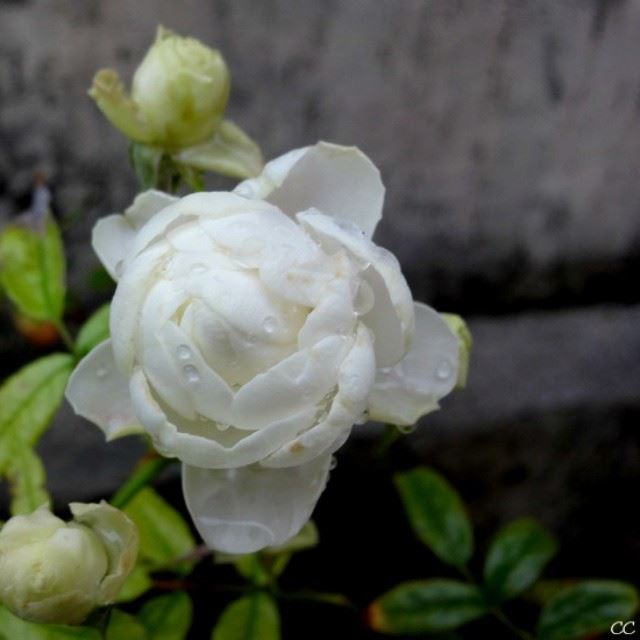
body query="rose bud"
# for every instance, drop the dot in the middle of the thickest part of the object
(52, 571)
(178, 96)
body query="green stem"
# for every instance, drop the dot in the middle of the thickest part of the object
(333, 599)
(496, 612)
(145, 473)
(389, 436)
(65, 335)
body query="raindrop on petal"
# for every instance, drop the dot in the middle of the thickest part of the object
(333, 464)
(198, 268)
(270, 324)
(191, 374)
(444, 370)
(101, 372)
(184, 353)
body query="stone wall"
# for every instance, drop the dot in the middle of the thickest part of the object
(508, 135)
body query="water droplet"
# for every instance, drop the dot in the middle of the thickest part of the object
(270, 324)
(231, 474)
(184, 353)
(333, 464)
(198, 268)
(444, 370)
(406, 428)
(118, 268)
(221, 426)
(101, 372)
(191, 374)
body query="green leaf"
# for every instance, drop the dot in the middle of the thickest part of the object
(167, 617)
(254, 617)
(123, 626)
(230, 152)
(28, 401)
(94, 331)
(32, 270)
(426, 607)
(459, 327)
(588, 608)
(306, 538)
(28, 481)
(437, 514)
(137, 584)
(164, 534)
(14, 628)
(146, 162)
(516, 558)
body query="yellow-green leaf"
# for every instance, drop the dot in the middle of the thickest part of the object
(164, 534)
(137, 584)
(28, 401)
(28, 481)
(94, 331)
(32, 270)
(123, 626)
(254, 617)
(167, 617)
(230, 151)
(459, 327)
(14, 628)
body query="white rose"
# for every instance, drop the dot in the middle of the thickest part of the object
(251, 330)
(52, 571)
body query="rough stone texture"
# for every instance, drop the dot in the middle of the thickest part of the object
(508, 135)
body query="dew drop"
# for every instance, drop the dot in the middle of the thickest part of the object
(184, 353)
(101, 372)
(406, 429)
(198, 269)
(444, 370)
(270, 324)
(333, 464)
(221, 426)
(119, 268)
(191, 374)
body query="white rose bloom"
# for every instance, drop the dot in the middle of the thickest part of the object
(251, 330)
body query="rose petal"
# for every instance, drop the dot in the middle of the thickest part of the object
(247, 509)
(355, 380)
(202, 443)
(339, 181)
(99, 392)
(299, 381)
(428, 372)
(146, 205)
(391, 316)
(113, 236)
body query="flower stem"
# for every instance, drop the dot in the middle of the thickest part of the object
(497, 612)
(145, 473)
(389, 436)
(65, 336)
